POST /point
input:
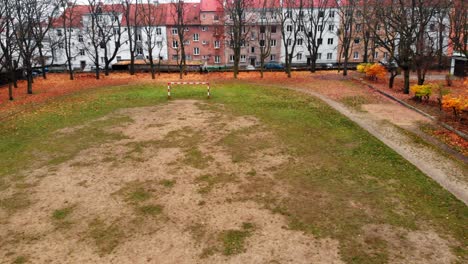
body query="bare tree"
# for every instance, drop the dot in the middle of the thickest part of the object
(67, 21)
(110, 30)
(266, 22)
(130, 11)
(425, 43)
(25, 22)
(347, 13)
(314, 25)
(44, 13)
(151, 18)
(237, 21)
(459, 30)
(291, 17)
(7, 43)
(93, 34)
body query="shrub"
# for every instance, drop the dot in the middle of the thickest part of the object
(362, 67)
(376, 71)
(422, 92)
(458, 104)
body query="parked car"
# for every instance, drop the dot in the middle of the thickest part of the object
(273, 65)
(93, 68)
(250, 68)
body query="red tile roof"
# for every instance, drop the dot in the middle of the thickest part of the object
(210, 5)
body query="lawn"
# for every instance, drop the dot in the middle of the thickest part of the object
(255, 174)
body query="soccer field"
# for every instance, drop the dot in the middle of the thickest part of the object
(255, 174)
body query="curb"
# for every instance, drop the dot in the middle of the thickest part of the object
(448, 127)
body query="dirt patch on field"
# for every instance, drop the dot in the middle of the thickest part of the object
(175, 188)
(410, 246)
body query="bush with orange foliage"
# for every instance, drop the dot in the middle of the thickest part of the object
(376, 71)
(458, 104)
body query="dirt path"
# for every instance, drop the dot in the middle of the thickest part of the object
(383, 122)
(170, 191)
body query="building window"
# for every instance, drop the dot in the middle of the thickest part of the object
(217, 59)
(331, 27)
(242, 58)
(80, 38)
(60, 45)
(332, 14)
(175, 44)
(103, 60)
(186, 29)
(289, 42)
(158, 31)
(159, 44)
(356, 55)
(301, 28)
(82, 52)
(217, 44)
(299, 56)
(319, 56)
(139, 51)
(357, 40)
(273, 42)
(330, 41)
(262, 43)
(138, 37)
(203, 28)
(174, 31)
(187, 42)
(319, 41)
(231, 58)
(175, 57)
(376, 54)
(272, 57)
(288, 14)
(329, 56)
(320, 28)
(119, 58)
(321, 13)
(195, 37)
(252, 49)
(385, 55)
(216, 18)
(299, 42)
(289, 28)
(262, 29)
(273, 29)
(59, 32)
(196, 51)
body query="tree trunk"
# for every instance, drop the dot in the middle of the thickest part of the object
(345, 67)
(41, 56)
(30, 81)
(407, 80)
(313, 65)
(10, 90)
(70, 70)
(391, 81)
(421, 77)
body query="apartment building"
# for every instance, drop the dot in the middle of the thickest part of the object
(76, 24)
(315, 22)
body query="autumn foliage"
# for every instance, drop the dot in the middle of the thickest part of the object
(373, 71)
(422, 92)
(457, 104)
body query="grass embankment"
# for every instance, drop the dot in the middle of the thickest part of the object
(341, 178)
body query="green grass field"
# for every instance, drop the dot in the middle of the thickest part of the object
(340, 180)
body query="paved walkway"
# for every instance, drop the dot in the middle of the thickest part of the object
(450, 174)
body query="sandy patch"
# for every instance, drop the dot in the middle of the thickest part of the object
(163, 194)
